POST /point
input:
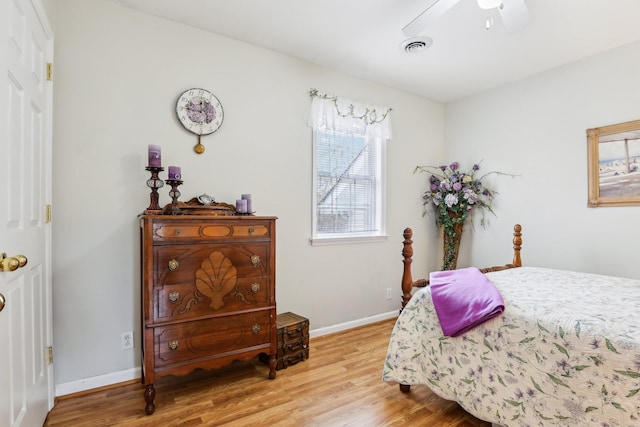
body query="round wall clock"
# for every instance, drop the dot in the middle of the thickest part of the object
(200, 112)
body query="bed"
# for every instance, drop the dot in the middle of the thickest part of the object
(565, 351)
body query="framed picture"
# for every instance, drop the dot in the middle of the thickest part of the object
(614, 165)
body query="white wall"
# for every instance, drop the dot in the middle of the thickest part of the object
(536, 128)
(118, 74)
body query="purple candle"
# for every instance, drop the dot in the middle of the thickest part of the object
(174, 173)
(154, 156)
(241, 205)
(247, 197)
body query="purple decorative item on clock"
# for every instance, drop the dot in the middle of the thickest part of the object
(175, 173)
(154, 156)
(247, 197)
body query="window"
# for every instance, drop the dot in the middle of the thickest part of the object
(348, 175)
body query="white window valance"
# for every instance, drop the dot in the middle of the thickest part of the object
(328, 113)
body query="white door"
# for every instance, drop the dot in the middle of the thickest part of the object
(26, 380)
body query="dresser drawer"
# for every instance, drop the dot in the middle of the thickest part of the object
(293, 347)
(184, 301)
(241, 229)
(292, 327)
(182, 264)
(211, 338)
(292, 359)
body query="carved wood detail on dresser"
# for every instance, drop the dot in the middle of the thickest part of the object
(208, 294)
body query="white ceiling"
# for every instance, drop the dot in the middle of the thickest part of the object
(363, 37)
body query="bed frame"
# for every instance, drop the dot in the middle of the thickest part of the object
(407, 253)
(408, 283)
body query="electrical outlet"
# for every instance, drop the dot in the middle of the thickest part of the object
(127, 340)
(388, 293)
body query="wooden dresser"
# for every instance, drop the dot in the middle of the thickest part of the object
(208, 294)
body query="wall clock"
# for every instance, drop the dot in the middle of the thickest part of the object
(200, 112)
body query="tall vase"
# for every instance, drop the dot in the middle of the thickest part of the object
(452, 237)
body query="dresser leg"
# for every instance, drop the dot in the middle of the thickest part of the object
(272, 366)
(149, 395)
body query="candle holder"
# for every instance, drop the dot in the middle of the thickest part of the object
(154, 183)
(174, 193)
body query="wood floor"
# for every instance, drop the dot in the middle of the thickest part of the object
(339, 385)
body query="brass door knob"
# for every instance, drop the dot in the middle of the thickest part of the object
(3, 302)
(8, 263)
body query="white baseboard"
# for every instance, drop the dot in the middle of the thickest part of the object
(352, 324)
(97, 382)
(135, 373)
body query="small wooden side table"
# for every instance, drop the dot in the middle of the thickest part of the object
(293, 339)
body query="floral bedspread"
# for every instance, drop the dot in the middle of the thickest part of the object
(565, 352)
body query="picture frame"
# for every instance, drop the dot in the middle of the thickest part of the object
(613, 156)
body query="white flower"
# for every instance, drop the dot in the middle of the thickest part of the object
(470, 196)
(450, 200)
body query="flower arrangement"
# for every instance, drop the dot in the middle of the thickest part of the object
(200, 110)
(454, 194)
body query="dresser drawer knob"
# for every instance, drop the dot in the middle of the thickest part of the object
(174, 296)
(255, 287)
(177, 231)
(252, 230)
(173, 265)
(255, 260)
(255, 329)
(173, 344)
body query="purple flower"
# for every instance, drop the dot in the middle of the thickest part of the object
(454, 166)
(457, 186)
(476, 167)
(443, 168)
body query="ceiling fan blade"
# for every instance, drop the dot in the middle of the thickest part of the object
(514, 14)
(428, 17)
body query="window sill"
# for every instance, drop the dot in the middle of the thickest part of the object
(328, 241)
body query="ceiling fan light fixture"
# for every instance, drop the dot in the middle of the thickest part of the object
(489, 4)
(416, 44)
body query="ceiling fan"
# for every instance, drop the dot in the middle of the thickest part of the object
(514, 14)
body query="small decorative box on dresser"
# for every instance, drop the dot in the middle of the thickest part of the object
(293, 339)
(208, 294)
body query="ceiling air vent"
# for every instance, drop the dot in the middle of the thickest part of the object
(416, 44)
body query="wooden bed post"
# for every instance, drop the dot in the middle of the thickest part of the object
(407, 280)
(517, 244)
(407, 253)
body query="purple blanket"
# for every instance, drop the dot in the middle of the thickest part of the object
(464, 299)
